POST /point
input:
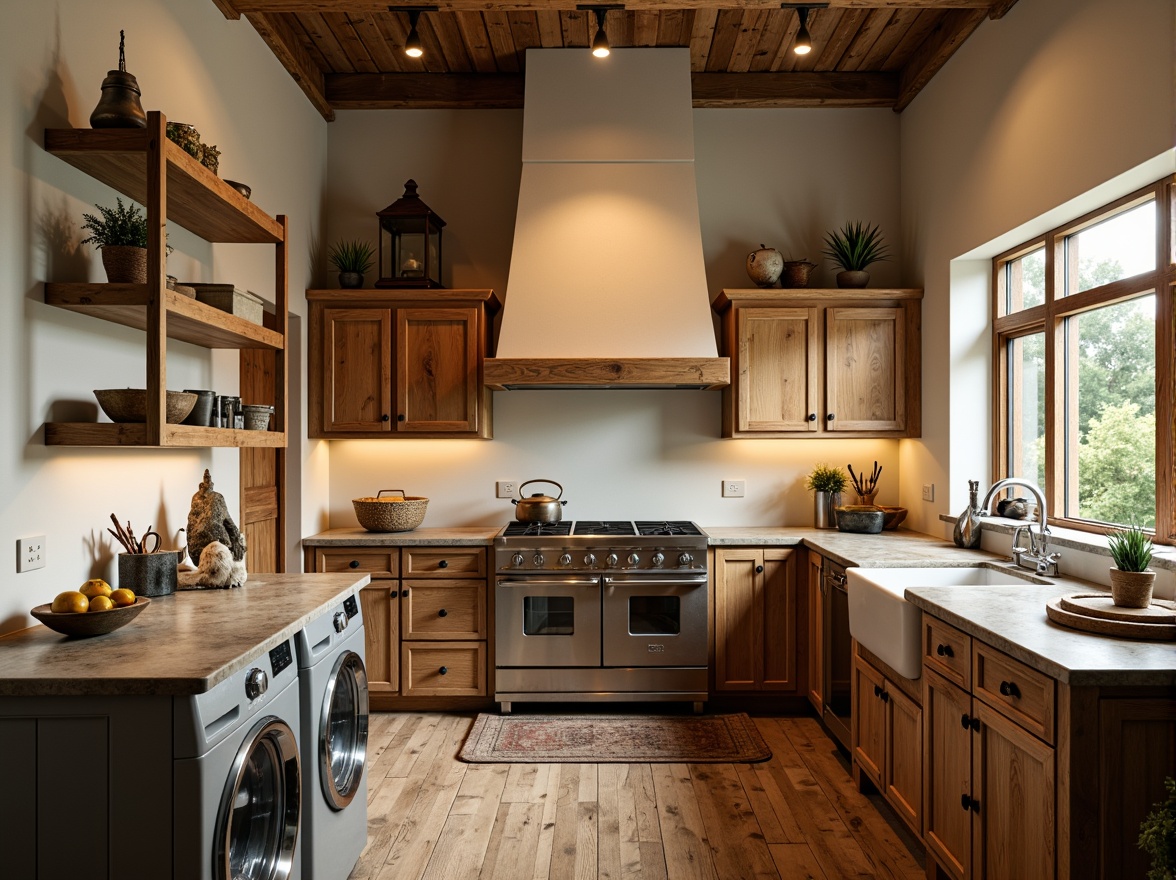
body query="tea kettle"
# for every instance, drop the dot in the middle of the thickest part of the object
(539, 508)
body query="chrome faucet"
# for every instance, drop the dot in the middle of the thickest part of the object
(1036, 557)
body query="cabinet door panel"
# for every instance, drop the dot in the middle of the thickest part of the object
(903, 765)
(864, 369)
(779, 620)
(869, 721)
(738, 620)
(437, 370)
(947, 774)
(779, 369)
(381, 625)
(357, 353)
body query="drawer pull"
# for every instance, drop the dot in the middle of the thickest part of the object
(1010, 689)
(442, 613)
(444, 563)
(944, 651)
(444, 670)
(354, 563)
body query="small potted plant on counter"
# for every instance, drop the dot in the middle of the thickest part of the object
(121, 234)
(826, 483)
(1131, 581)
(852, 248)
(351, 259)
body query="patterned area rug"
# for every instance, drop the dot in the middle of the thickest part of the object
(614, 739)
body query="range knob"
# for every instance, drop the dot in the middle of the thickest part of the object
(565, 559)
(658, 558)
(516, 560)
(685, 559)
(590, 559)
(538, 559)
(611, 560)
(256, 683)
(634, 559)
(340, 621)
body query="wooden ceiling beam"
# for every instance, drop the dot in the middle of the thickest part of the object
(284, 43)
(998, 9)
(272, 6)
(429, 91)
(228, 10)
(949, 34)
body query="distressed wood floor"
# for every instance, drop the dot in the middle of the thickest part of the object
(795, 816)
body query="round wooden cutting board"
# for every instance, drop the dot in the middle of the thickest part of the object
(1096, 613)
(1101, 605)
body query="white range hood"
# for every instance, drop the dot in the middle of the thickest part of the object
(607, 287)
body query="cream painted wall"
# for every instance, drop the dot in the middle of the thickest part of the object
(1037, 110)
(196, 67)
(781, 177)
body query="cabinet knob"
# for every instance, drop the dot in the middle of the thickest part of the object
(759, 569)
(444, 563)
(442, 613)
(965, 721)
(354, 563)
(404, 592)
(944, 651)
(970, 803)
(1010, 689)
(444, 670)
(812, 417)
(392, 594)
(384, 417)
(884, 696)
(400, 417)
(877, 691)
(830, 417)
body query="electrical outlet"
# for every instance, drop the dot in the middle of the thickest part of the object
(506, 488)
(734, 488)
(929, 492)
(30, 553)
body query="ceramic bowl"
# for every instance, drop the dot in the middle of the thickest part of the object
(243, 188)
(893, 516)
(90, 623)
(130, 404)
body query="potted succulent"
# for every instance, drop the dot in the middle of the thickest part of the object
(852, 248)
(1157, 836)
(826, 483)
(1131, 581)
(351, 259)
(121, 234)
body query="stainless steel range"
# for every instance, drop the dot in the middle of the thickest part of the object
(608, 611)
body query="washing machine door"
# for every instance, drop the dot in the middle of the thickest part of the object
(257, 825)
(343, 731)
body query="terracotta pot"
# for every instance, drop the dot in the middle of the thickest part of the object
(796, 273)
(853, 278)
(125, 264)
(1132, 589)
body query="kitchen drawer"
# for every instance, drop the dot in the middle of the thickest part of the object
(451, 609)
(444, 562)
(1021, 694)
(382, 562)
(430, 669)
(948, 651)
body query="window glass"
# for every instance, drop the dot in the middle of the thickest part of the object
(1026, 358)
(1110, 437)
(1118, 247)
(1025, 281)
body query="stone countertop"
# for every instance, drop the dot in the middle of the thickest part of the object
(896, 549)
(1013, 619)
(180, 645)
(471, 536)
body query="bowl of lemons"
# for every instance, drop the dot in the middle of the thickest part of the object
(93, 609)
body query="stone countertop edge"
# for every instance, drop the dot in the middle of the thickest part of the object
(471, 536)
(1013, 619)
(191, 641)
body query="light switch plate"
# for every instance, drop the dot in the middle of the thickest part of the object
(30, 553)
(929, 492)
(734, 488)
(505, 489)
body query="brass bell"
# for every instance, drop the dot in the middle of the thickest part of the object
(119, 105)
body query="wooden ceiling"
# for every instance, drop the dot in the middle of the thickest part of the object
(348, 54)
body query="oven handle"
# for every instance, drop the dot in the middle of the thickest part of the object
(546, 580)
(651, 580)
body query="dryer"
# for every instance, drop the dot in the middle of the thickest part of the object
(334, 696)
(237, 775)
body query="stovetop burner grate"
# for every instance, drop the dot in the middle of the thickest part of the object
(607, 527)
(666, 527)
(525, 529)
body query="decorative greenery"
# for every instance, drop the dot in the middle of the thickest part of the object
(351, 256)
(1157, 836)
(826, 478)
(1131, 549)
(855, 246)
(124, 225)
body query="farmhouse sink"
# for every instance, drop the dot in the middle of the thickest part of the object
(890, 626)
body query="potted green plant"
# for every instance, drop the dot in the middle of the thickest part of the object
(1157, 836)
(826, 483)
(852, 248)
(121, 234)
(351, 259)
(1131, 581)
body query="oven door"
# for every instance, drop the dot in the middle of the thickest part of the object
(547, 620)
(655, 621)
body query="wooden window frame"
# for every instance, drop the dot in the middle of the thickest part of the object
(1049, 318)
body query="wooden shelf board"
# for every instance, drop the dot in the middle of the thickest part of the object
(790, 295)
(197, 199)
(182, 436)
(188, 320)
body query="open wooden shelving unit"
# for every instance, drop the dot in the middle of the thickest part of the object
(145, 166)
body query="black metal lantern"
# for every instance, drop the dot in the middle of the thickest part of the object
(410, 242)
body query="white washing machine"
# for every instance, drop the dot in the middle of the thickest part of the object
(334, 695)
(237, 775)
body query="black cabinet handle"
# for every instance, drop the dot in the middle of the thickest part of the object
(877, 691)
(384, 417)
(400, 417)
(965, 721)
(442, 613)
(970, 803)
(885, 696)
(404, 592)
(444, 563)
(1010, 689)
(444, 670)
(830, 417)
(944, 651)
(759, 569)
(354, 563)
(965, 801)
(812, 417)
(391, 594)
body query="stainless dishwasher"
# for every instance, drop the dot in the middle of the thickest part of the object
(838, 700)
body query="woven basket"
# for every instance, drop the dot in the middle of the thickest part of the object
(125, 264)
(401, 514)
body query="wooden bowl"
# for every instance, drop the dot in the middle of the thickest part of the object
(90, 623)
(892, 516)
(130, 404)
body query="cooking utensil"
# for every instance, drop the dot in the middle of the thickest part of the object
(401, 514)
(539, 508)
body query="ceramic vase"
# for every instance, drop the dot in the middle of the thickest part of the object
(764, 266)
(351, 280)
(825, 517)
(1132, 589)
(149, 574)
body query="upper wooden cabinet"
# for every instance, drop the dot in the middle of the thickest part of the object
(404, 363)
(821, 363)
